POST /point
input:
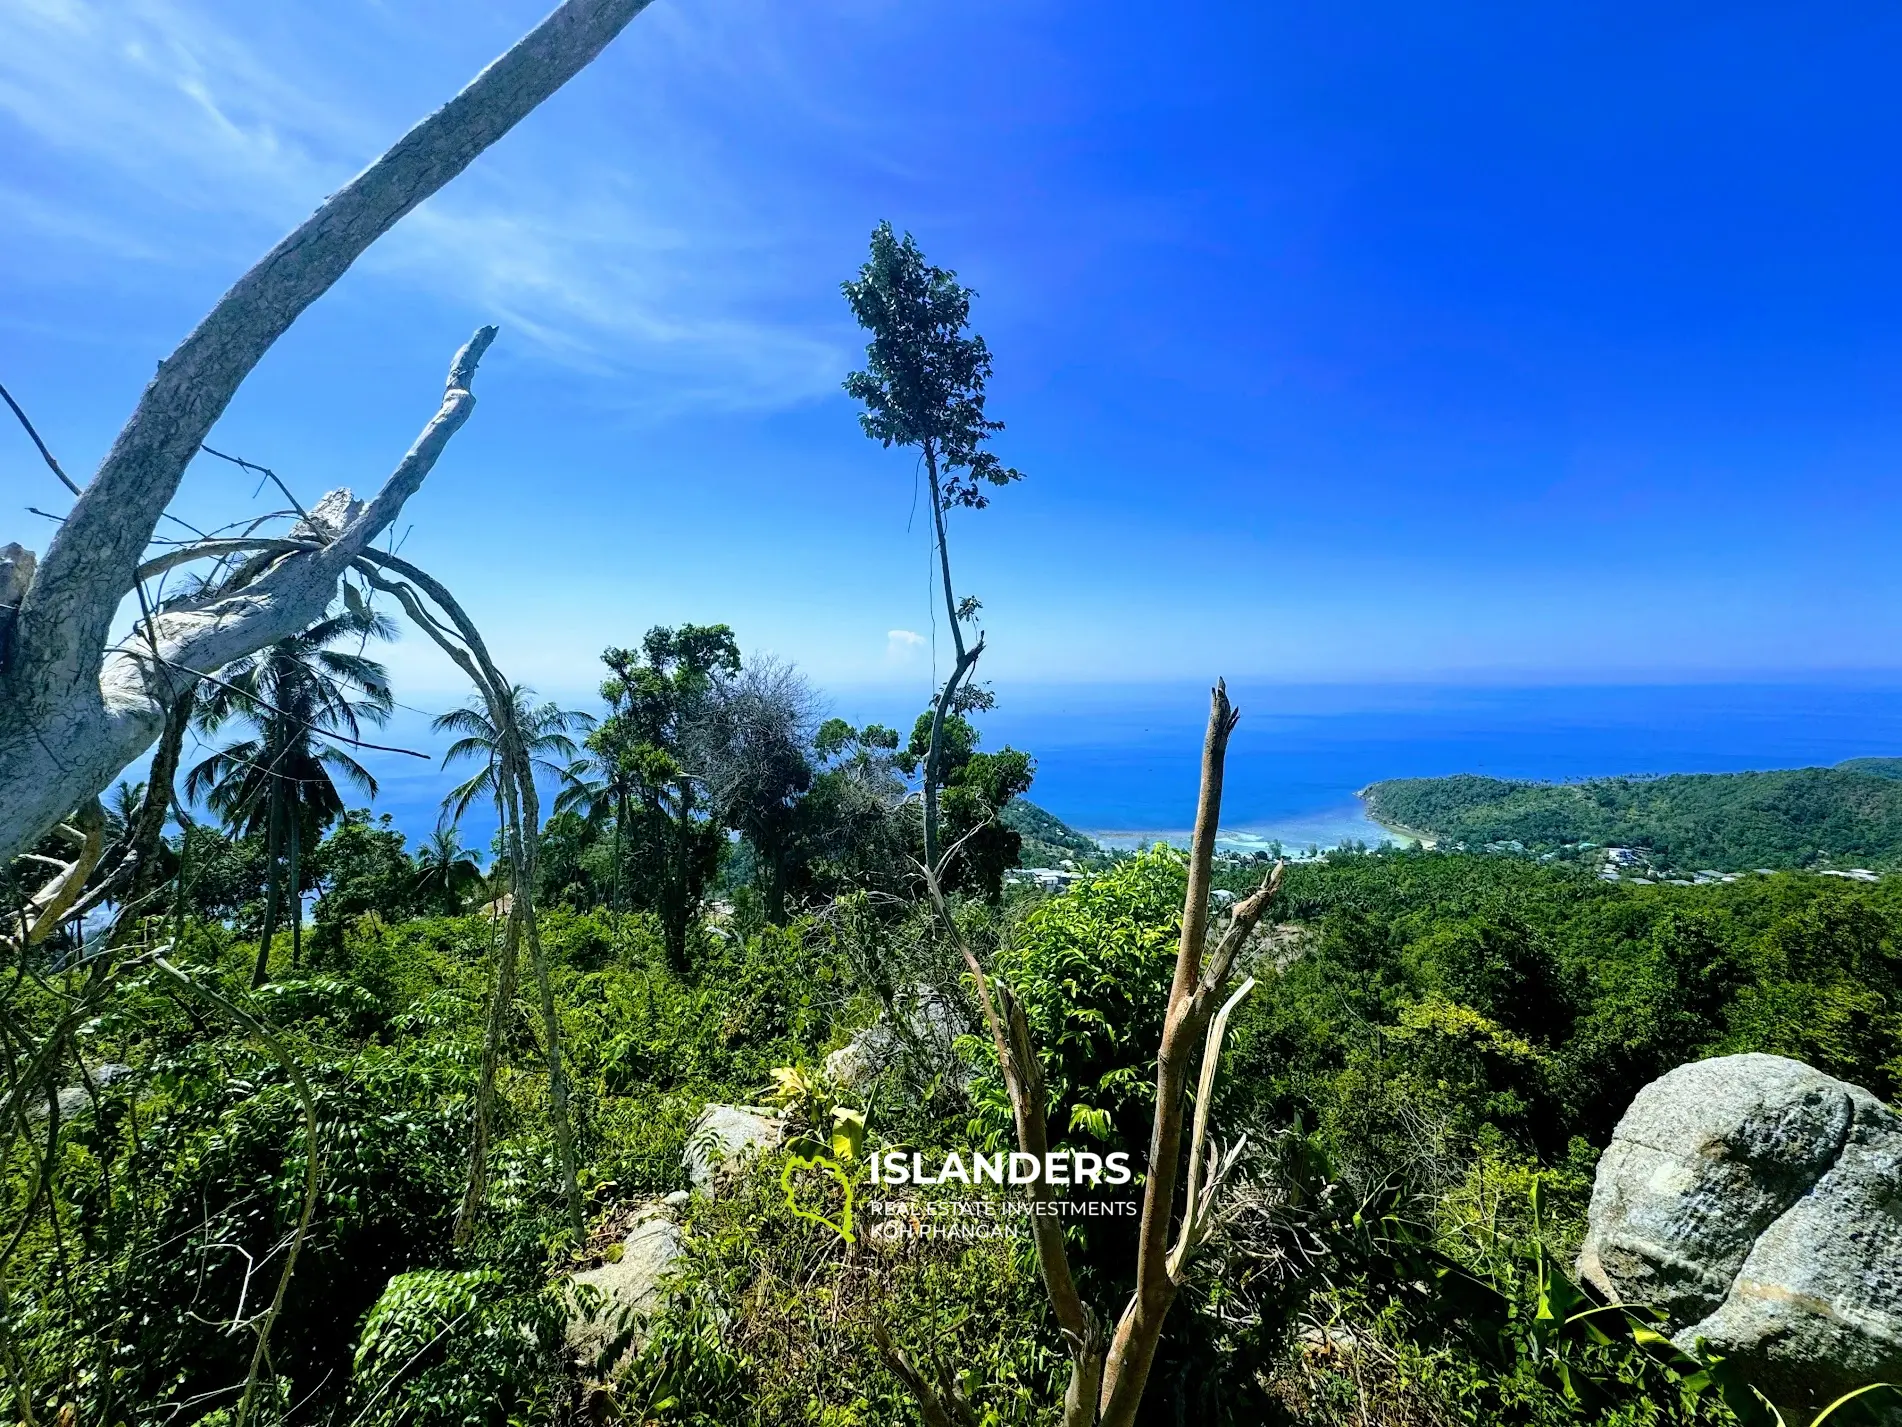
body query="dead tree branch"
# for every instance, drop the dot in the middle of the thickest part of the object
(60, 897)
(1191, 998)
(102, 725)
(1023, 1082)
(1107, 1376)
(457, 636)
(72, 718)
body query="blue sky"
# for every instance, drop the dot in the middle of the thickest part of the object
(1458, 342)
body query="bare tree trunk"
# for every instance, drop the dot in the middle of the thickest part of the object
(966, 661)
(1023, 1081)
(1107, 1379)
(501, 1002)
(273, 834)
(521, 835)
(776, 884)
(1193, 997)
(620, 823)
(297, 894)
(71, 718)
(525, 816)
(145, 836)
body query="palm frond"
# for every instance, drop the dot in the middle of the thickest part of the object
(353, 772)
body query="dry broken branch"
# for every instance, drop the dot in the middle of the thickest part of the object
(71, 717)
(46, 908)
(1107, 1377)
(98, 728)
(1133, 1348)
(457, 636)
(1198, 1212)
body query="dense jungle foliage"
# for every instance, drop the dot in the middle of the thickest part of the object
(1434, 1033)
(1846, 816)
(302, 1125)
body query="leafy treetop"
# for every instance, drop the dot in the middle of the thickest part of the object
(923, 383)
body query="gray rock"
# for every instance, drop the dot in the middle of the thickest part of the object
(932, 1024)
(1758, 1202)
(72, 1099)
(724, 1136)
(858, 1060)
(612, 1323)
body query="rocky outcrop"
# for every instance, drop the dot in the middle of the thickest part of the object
(722, 1138)
(1758, 1201)
(73, 1099)
(931, 1025)
(605, 1320)
(608, 1304)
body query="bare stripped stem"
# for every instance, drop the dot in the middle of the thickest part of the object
(1192, 999)
(33, 435)
(1195, 1213)
(941, 1404)
(456, 635)
(49, 906)
(1023, 1082)
(1107, 1378)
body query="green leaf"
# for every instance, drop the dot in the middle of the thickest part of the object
(1848, 1398)
(848, 1132)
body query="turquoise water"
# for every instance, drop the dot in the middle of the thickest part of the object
(1122, 762)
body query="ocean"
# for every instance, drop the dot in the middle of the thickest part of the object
(1120, 761)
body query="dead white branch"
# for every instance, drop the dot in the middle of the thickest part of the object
(72, 717)
(97, 730)
(46, 908)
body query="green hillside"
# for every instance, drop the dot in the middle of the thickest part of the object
(1846, 816)
(1048, 840)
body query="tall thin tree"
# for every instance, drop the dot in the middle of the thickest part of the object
(923, 386)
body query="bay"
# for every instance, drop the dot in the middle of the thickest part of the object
(1121, 760)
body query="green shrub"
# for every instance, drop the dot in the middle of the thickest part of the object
(443, 1348)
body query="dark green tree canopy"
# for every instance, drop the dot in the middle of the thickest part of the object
(925, 370)
(975, 787)
(361, 867)
(656, 691)
(654, 762)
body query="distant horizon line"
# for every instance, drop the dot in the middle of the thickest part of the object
(1882, 678)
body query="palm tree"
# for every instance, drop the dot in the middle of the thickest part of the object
(122, 809)
(545, 731)
(444, 867)
(586, 789)
(597, 790)
(280, 781)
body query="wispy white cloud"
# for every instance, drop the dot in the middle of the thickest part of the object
(179, 135)
(600, 287)
(904, 646)
(169, 103)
